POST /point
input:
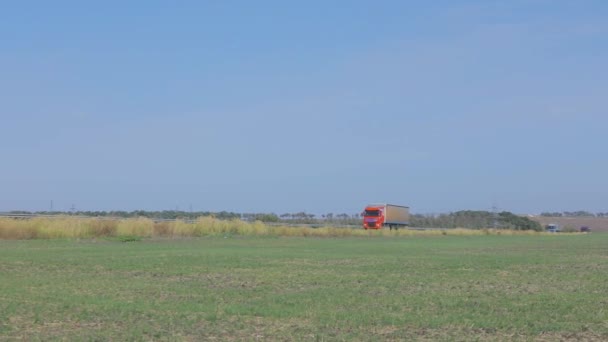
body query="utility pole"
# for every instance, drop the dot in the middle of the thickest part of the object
(495, 215)
(51, 205)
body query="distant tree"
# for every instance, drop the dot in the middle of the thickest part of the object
(551, 214)
(513, 221)
(342, 216)
(267, 217)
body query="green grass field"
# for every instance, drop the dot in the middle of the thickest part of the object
(319, 289)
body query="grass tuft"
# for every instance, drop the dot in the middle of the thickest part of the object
(126, 238)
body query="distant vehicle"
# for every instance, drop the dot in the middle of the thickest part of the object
(585, 229)
(552, 228)
(392, 216)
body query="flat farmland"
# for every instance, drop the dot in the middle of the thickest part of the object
(597, 224)
(319, 289)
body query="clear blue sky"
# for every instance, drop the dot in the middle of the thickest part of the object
(321, 106)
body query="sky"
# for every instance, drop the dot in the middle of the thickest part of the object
(316, 106)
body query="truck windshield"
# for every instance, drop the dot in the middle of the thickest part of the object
(374, 212)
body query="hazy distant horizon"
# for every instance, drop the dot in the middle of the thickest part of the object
(75, 208)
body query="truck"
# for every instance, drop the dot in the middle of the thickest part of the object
(376, 216)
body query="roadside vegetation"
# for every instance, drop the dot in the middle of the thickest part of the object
(471, 219)
(75, 227)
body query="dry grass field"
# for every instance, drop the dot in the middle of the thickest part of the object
(73, 227)
(597, 224)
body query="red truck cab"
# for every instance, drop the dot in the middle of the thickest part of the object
(373, 217)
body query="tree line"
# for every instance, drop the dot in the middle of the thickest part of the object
(298, 217)
(460, 219)
(579, 213)
(475, 220)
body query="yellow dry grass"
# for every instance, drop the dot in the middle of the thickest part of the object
(73, 227)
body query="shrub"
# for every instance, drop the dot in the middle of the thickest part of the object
(99, 228)
(162, 229)
(141, 227)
